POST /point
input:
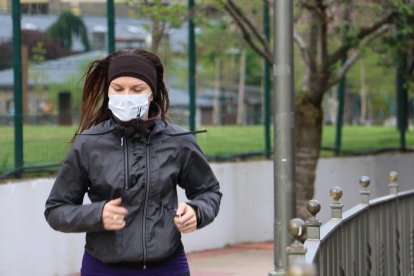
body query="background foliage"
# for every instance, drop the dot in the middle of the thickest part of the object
(221, 44)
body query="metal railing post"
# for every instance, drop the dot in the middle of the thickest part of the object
(393, 185)
(301, 270)
(296, 251)
(313, 226)
(336, 206)
(364, 181)
(297, 265)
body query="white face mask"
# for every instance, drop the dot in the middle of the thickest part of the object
(128, 107)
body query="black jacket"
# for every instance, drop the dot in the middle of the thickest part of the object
(108, 161)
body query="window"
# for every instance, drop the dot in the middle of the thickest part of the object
(34, 8)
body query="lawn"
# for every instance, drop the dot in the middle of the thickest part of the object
(359, 138)
(48, 144)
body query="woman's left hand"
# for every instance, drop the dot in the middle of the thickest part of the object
(185, 218)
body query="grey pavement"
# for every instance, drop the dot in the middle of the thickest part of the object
(251, 259)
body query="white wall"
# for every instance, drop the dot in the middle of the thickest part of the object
(28, 246)
(345, 172)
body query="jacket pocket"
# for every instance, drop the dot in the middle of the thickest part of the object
(106, 245)
(165, 237)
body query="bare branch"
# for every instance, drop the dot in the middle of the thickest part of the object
(369, 30)
(355, 55)
(345, 67)
(302, 46)
(323, 31)
(363, 33)
(249, 24)
(312, 8)
(246, 34)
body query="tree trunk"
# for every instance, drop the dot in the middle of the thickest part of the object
(308, 135)
(157, 34)
(241, 114)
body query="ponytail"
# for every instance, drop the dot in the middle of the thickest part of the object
(94, 107)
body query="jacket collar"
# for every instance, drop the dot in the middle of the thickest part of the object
(144, 128)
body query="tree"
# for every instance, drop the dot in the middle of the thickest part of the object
(163, 16)
(32, 39)
(38, 53)
(73, 83)
(399, 43)
(397, 49)
(221, 55)
(66, 26)
(323, 42)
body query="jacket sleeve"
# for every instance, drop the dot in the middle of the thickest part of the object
(64, 210)
(199, 182)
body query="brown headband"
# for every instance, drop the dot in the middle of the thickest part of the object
(133, 66)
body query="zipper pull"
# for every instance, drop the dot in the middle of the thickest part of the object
(122, 141)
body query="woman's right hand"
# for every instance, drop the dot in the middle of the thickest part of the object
(113, 215)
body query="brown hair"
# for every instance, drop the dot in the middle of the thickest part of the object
(94, 108)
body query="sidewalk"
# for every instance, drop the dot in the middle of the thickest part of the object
(250, 259)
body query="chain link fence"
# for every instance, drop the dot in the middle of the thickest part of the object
(229, 102)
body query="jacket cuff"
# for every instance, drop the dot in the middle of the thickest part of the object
(198, 213)
(98, 226)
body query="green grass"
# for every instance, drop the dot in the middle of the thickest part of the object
(49, 144)
(358, 138)
(42, 145)
(231, 140)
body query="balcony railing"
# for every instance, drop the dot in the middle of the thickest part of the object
(375, 237)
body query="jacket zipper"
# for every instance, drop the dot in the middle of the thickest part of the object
(147, 186)
(125, 146)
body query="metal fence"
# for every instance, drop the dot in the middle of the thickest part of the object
(36, 136)
(375, 237)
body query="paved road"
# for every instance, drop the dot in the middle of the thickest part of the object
(253, 259)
